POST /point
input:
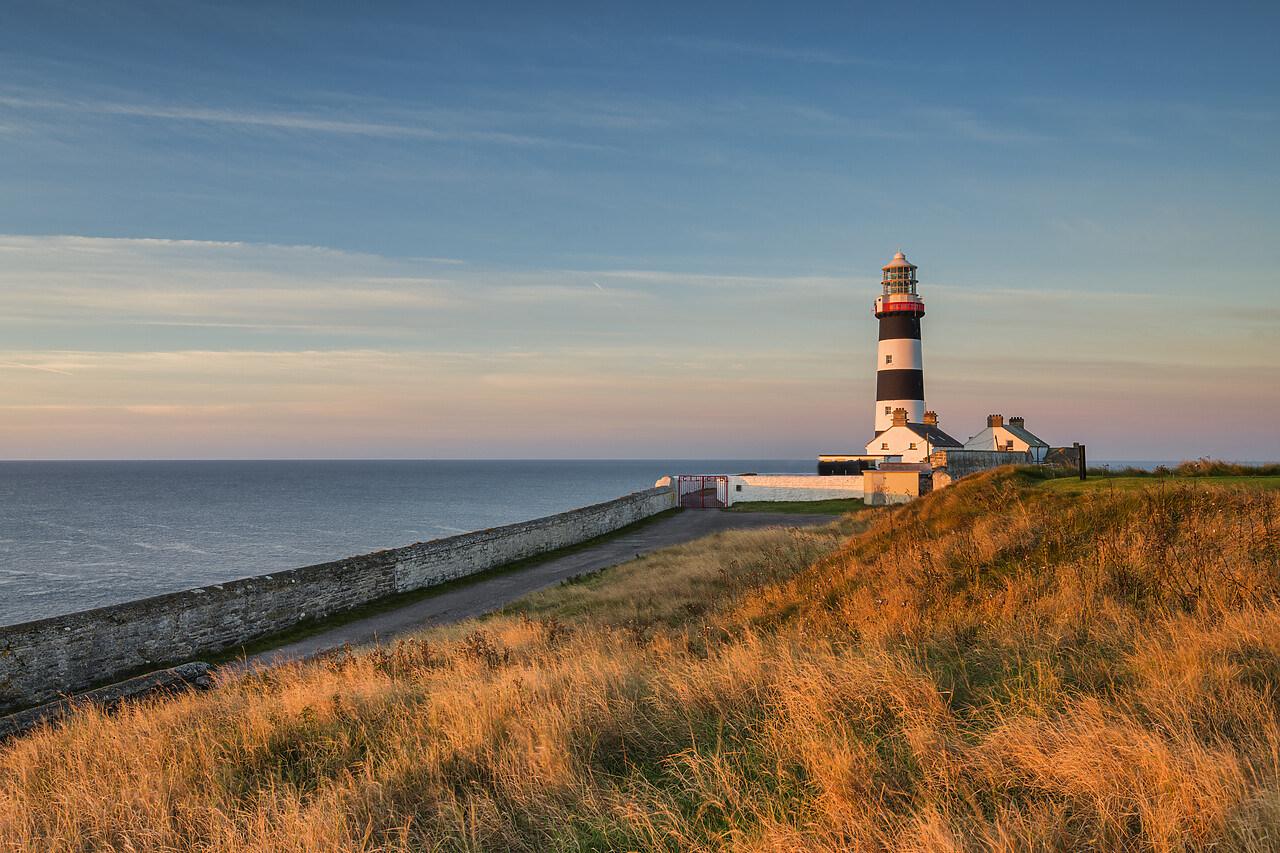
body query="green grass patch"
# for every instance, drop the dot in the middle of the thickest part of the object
(836, 506)
(1072, 485)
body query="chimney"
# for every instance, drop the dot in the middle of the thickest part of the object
(995, 420)
(1018, 422)
(931, 418)
(899, 417)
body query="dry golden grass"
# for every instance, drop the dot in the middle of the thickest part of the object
(994, 668)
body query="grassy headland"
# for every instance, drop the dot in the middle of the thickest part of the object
(997, 666)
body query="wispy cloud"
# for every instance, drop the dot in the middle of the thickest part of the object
(1150, 121)
(727, 281)
(767, 51)
(287, 121)
(75, 243)
(376, 343)
(34, 367)
(969, 125)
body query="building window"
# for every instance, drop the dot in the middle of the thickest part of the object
(888, 359)
(912, 447)
(1008, 445)
(888, 411)
(884, 445)
(738, 487)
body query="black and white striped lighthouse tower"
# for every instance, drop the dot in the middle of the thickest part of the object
(899, 370)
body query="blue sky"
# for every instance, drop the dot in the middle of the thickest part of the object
(630, 230)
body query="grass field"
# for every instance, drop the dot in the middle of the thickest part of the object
(1072, 485)
(837, 506)
(998, 666)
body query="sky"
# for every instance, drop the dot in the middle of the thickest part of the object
(632, 230)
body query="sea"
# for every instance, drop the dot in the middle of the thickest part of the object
(80, 535)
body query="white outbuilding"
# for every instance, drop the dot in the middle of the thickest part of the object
(1012, 436)
(911, 442)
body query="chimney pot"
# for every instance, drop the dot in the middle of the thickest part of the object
(899, 417)
(931, 418)
(995, 420)
(1018, 422)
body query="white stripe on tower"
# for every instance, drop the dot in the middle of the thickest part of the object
(900, 352)
(900, 365)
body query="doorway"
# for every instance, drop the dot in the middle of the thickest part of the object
(698, 491)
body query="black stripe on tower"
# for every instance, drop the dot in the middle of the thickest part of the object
(899, 385)
(899, 325)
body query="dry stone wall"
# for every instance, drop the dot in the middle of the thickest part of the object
(66, 654)
(951, 464)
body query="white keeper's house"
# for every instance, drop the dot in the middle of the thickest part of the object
(1012, 436)
(912, 442)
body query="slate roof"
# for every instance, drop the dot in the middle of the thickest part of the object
(1028, 437)
(936, 437)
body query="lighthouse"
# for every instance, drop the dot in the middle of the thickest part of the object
(899, 368)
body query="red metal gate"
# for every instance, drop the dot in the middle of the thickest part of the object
(699, 491)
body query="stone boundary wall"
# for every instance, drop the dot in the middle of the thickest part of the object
(951, 465)
(794, 487)
(66, 654)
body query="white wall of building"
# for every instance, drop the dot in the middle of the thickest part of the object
(898, 441)
(891, 487)
(793, 487)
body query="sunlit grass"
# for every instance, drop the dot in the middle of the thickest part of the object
(673, 586)
(994, 667)
(831, 506)
(1074, 485)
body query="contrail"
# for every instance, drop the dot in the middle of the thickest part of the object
(36, 367)
(610, 295)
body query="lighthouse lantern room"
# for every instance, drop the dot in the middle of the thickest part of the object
(900, 368)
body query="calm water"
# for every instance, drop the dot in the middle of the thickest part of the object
(78, 535)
